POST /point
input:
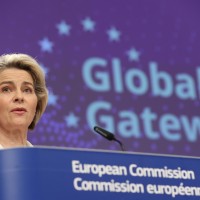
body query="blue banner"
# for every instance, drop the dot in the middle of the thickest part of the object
(41, 173)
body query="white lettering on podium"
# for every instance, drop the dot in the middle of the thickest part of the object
(99, 170)
(107, 186)
(164, 172)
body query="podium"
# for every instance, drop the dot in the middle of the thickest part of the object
(41, 173)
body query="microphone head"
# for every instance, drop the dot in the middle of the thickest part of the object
(104, 133)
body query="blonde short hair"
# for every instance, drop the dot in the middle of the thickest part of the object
(30, 65)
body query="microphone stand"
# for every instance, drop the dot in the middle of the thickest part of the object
(108, 135)
(120, 143)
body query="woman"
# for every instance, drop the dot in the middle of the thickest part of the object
(23, 98)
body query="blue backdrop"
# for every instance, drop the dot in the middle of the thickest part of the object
(132, 67)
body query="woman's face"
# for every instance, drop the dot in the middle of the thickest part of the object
(18, 100)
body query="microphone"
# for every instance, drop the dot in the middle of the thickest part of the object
(108, 135)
